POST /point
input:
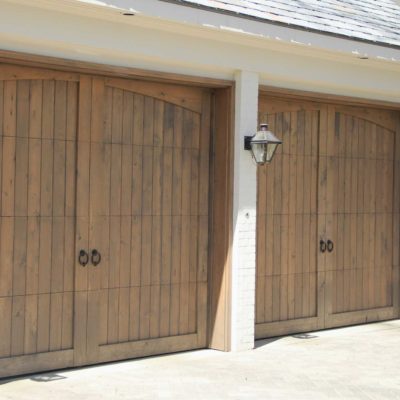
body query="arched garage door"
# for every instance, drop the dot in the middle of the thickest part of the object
(328, 218)
(104, 218)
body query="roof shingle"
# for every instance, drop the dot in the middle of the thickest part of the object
(375, 21)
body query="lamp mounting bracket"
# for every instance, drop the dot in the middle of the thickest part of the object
(247, 142)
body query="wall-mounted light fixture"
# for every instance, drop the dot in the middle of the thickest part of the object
(262, 145)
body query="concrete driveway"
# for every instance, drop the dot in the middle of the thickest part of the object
(351, 363)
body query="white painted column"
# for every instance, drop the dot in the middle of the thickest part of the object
(244, 214)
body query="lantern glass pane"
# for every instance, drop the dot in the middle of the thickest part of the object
(271, 148)
(259, 152)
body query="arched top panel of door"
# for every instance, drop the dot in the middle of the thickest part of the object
(361, 133)
(156, 114)
(387, 119)
(190, 98)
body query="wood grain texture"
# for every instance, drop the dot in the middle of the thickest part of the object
(286, 219)
(182, 96)
(37, 215)
(124, 170)
(361, 212)
(351, 157)
(149, 187)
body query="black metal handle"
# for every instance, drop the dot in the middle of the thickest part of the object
(96, 257)
(322, 246)
(330, 246)
(83, 258)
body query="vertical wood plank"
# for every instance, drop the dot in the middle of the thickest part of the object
(145, 305)
(117, 119)
(155, 294)
(175, 274)
(126, 180)
(115, 252)
(158, 122)
(92, 333)
(134, 313)
(155, 276)
(56, 300)
(21, 177)
(17, 325)
(70, 178)
(8, 176)
(136, 251)
(69, 254)
(32, 256)
(127, 121)
(148, 124)
(137, 180)
(35, 155)
(204, 159)
(5, 331)
(20, 248)
(43, 332)
(72, 111)
(10, 108)
(67, 321)
(126, 255)
(147, 181)
(7, 255)
(123, 315)
(103, 322)
(165, 298)
(57, 255)
(60, 110)
(48, 104)
(138, 119)
(113, 315)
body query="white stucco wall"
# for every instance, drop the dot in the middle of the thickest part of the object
(164, 37)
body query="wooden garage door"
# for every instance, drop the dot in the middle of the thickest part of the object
(360, 204)
(116, 166)
(145, 209)
(334, 179)
(287, 265)
(38, 131)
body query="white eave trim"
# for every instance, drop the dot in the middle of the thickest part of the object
(211, 25)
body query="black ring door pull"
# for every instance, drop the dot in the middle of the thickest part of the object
(96, 257)
(322, 246)
(330, 246)
(83, 258)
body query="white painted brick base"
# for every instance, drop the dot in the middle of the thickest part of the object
(244, 215)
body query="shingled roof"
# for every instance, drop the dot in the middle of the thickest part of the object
(376, 21)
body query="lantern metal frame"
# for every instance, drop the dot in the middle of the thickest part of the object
(270, 139)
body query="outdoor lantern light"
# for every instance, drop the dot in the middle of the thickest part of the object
(262, 145)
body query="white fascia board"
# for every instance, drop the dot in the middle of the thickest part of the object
(191, 21)
(80, 31)
(247, 28)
